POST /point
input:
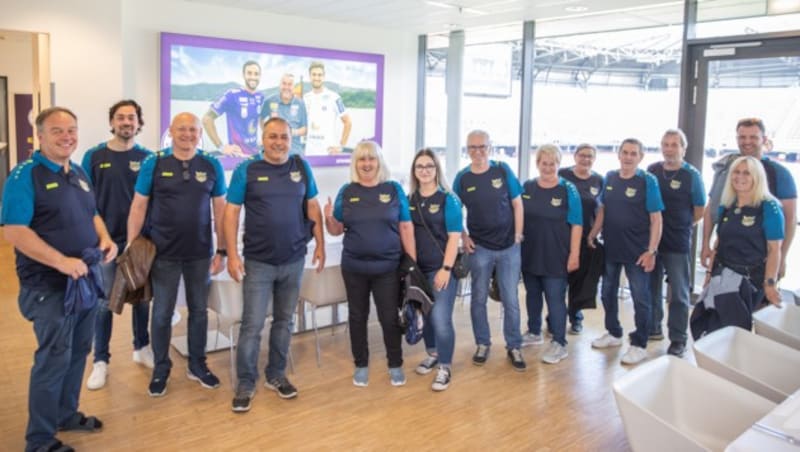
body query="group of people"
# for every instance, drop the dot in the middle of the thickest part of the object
(545, 229)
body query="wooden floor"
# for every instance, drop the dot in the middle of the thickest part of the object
(563, 407)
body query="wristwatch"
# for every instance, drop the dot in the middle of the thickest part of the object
(769, 282)
(221, 252)
(447, 268)
(653, 252)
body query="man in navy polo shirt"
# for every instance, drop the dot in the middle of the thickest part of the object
(176, 188)
(684, 199)
(491, 194)
(112, 166)
(278, 194)
(630, 218)
(285, 105)
(49, 216)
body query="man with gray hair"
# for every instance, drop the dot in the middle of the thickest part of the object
(285, 105)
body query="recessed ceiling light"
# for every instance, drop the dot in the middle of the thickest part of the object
(576, 9)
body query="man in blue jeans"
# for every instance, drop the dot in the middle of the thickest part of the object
(49, 216)
(491, 194)
(112, 166)
(684, 200)
(630, 218)
(278, 194)
(179, 186)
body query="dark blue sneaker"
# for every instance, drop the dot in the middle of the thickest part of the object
(204, 377)
(158, 386)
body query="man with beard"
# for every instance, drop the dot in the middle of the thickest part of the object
(112, 166)
(293, 110)
(324, 107)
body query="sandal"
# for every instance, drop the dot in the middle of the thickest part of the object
(79, 422)
(55, 446)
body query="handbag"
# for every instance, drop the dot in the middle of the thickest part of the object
(461, 265)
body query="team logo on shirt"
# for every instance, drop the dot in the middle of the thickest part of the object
(630, 192)
(200, 176)
(748, 220)
(105, 165)
(555, 202)
(526, 196)
(295, 176)
(384, 198)
(83, 184)
(675, 184)
(135, 166)
(51, 186)
(355, 199)
(594, 191)
(434, 208)
(497, 183)
(263, 178)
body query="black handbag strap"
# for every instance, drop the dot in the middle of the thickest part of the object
(416, 197)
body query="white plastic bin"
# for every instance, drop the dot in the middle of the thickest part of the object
(754, 362)
(779, 324)
(669, 405)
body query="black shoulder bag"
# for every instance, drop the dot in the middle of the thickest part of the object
(461, 265)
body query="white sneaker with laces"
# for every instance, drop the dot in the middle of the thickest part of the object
(97, 379)
(532, 339)
(427, 365)
(606, 341)
(555, 352)
(634, 355)
(442, 380)
(144, 356)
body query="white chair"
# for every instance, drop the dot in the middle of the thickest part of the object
(323, 289)
(779, 324)
(756, 363)
(669, 405)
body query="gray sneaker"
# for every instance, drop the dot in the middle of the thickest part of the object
(555, 352)
(397, 377)
(242, 401)
(282, 386)
(427, 365)
(361, 377)
(532, 339)
(480, 356)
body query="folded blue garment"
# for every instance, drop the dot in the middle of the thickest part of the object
(82, 293)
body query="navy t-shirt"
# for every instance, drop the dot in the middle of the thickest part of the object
(589, 189)
(179, 214)
(743, 232)
(371, 217)
(487, 197)
(113, 174)
(550, 214)
(628, 204)
(681, 190)
(273, 198)
(59, 207)
(442, 215)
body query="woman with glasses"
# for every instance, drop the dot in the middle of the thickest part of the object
(372, 213)
(437, 218)
(552, 230)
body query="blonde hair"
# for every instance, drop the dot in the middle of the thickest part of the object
(760, 188)
(549, 149)
(368, 148)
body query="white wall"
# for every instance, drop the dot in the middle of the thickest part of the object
(16, 63)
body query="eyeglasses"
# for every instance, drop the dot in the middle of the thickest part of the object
(186, 174)
(478, 147)
(428, 167)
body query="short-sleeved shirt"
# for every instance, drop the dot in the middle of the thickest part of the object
(274, 196)
(743, 233)
(371, 217)
(550, 214)
(441, 213)
(293, 112)
(487, 197)
(589, 189)
(681, 190)
(113, 174)
(628, 204)
(241, 109)
(324, 110)
(179, 214)
(59, 207)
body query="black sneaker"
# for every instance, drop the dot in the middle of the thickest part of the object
(515, 356)
(158, 386)
(676, 349)
(282, 386)
(241, 401)
(480, 356)
(204, 377)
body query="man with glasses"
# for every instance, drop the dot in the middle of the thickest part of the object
(112, 166)
(176, 190)
(49, 216)
(751, 137)
(491, 194)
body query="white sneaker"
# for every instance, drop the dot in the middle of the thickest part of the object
(555, 353)
(634, 355)
(532, 339)
(97, 379)
(144, 356)
(606, 341)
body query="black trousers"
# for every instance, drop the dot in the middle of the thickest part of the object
(385, 289)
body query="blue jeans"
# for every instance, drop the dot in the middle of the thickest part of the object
(63, 343)
(507, 262)
(267, 286)
(555, 292)
(140, 315)
(640, 292)
(439, 334)
(165, 276)
(676, 266)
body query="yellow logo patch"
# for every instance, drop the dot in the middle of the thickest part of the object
(135, 166)
(675, 184)
(384, 198)
(630, 192)
(105, 165)
(166, 174)
(526, 196)
(470, 189)
(412, 208)
(748, 220)
(295, 176)
(497, 183)
(262, 178)
(355, 199)
(555, 202)
(434, 208)
(51, 186)
(201, 176)
(594, 191)
(609, 188)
